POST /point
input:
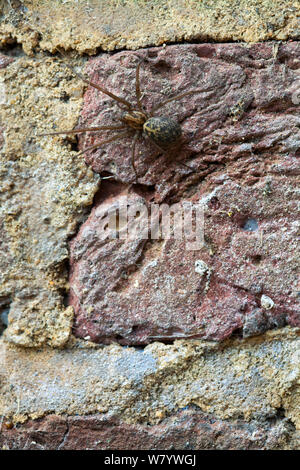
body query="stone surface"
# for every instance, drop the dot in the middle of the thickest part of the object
(246, 109)
(130, 24)
(253, 380)
(45, 192)
(43, 434)
(191, 394)
(4, 61)
(243, 145)
(189, 429)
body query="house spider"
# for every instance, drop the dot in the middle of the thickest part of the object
(164, 132)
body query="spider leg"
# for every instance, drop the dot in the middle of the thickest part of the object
(136, 135)
(161, 150)
(84, 129)
(180, 162)
(177, 97)
(111, 139)
(99, 87)
(166, 152)
(186, 166)
(138, 87)
(174, 337)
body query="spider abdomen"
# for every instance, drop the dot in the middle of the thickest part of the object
(164, 131)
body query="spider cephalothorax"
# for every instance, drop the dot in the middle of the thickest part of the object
(163, 131)
(134, 119)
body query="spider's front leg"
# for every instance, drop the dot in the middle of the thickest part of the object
(99, 144)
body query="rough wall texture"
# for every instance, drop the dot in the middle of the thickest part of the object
(247, 390)
(45, 192)
(242, 147)
(237, 387)
(131, 24)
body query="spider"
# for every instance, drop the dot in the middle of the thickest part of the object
(164, 132)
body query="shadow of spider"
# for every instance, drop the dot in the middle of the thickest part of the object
(164, 132)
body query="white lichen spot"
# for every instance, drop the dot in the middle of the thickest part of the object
(266, 302)
(2, 93)
(204, 270)
(201, 267)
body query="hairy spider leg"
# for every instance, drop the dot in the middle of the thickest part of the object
(138, 87)
(177, 97)
(84, 129)
(103, 90)
(166, 152)
(95, 146)
(174, 337)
